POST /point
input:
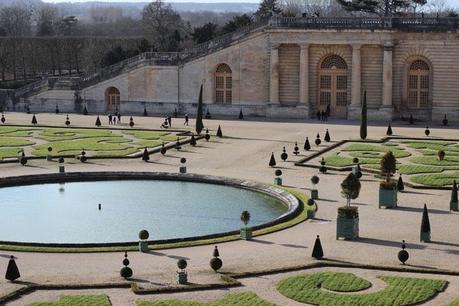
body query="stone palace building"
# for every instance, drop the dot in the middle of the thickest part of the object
(284, 68)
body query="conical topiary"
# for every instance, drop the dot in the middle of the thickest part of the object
(307, 145)
(327, 136)
(145, 155)
(34, 120)
(317, 251)
(131, 122)
(284, 154)
(12, 271)
(207, 136)
(98, 123)
(389, 130)
(219, 132)
(23, 159)
(272, 160)
(163, 149)
(3, 118)
(427, 131)
(453, 203)
(216, 263)
(363, 118)
(400, 184)
(85, 110)
(411, 120)
(199, 123)
(425, 225)
(318, 141)
(145, 113)
(445, 121)
(241, 115)
(192, 140)
(403, 254)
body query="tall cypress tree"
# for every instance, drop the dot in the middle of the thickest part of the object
(363, 119)
(199, 123)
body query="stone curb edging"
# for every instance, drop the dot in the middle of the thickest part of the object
(302, 162)
(293, 204)
(229, 280)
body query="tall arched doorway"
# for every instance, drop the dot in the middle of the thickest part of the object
(112, 99)
(223, 84)
(418, 84)
(333, 85)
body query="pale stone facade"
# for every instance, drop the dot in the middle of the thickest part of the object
(289, 72)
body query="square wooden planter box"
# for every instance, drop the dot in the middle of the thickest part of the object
(143, 246)
(278, 181)
(347, 228)
(246, 233)
(453, 206)
(314, 194)
(387, 198)
(181, 278)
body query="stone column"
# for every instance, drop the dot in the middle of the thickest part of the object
(274, 76)
(387, 76)
(356, 91)
(304, 75)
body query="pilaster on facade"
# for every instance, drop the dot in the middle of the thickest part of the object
(274, 75)
(356, 75)
(304, 75)
(387, 75)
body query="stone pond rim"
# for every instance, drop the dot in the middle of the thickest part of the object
(293, 204)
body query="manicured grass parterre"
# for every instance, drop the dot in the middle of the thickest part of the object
(77, 300)
(454, 303)
(414, 157)
(234, 299)
(307, 288)
(65, 141)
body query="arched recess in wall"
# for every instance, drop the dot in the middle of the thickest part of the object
(418, 87)
(112, 99)
(289, 74)
(333, 85)
(223, 84)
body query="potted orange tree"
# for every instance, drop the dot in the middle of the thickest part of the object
(388, 187)
(347, 223)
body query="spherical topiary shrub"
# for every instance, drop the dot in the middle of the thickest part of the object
(245, 217)
(126, 272)
(216, 263)
(181, 264)
(183, 160)
(310, 202)
(278, 172)
(315, 180)
(144, 235)
(355, 160)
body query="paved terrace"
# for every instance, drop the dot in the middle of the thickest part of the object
(244, 153)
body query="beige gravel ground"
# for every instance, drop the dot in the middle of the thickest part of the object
(245, 154)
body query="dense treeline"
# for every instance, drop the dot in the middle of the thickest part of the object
(37, 39)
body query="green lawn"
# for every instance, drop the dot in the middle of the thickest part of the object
(454, 303)
(436, 179)
(77, 300)
(233, 299)
(14, 142)
(399, 291)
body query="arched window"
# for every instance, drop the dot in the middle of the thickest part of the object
(333, 85)
(112, 99)
(418, 84)
(223, 84)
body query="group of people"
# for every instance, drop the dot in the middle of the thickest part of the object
(322, 115)
(114, 119)
(168, 121)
